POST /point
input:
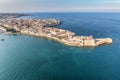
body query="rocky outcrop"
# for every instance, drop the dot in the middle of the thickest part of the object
(103, 41)
(46, 28)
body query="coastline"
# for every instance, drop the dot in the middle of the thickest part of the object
(11, 24)
(46, 28)
(2, 29)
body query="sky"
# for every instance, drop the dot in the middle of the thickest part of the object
(59, 5)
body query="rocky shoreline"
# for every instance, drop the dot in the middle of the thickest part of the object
(46, 28)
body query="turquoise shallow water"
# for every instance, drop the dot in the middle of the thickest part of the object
(25, 57)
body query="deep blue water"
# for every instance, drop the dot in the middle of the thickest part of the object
(25, 57)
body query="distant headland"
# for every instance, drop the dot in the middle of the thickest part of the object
(12, 15)
(11, 23)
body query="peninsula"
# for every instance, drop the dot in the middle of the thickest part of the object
(46, 28)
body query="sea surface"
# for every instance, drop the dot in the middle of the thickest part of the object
(25, 57)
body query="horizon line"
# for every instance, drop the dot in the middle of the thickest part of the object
(65, 12)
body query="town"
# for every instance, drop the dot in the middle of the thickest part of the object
(47, 28)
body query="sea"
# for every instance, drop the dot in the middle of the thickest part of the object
(24, 57)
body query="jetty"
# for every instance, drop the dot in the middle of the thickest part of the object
(46, 28)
